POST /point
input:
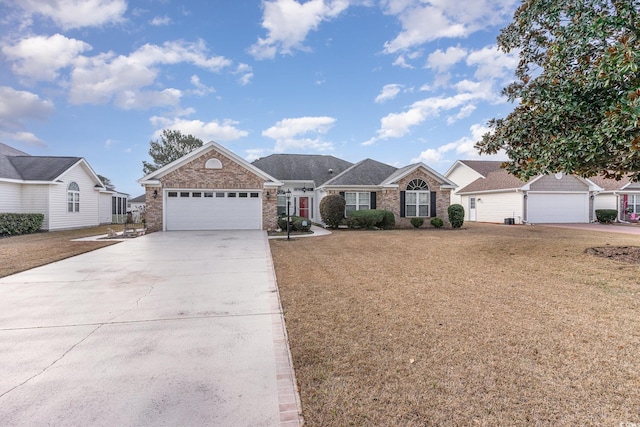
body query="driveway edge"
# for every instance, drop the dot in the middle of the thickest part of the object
(288, 396)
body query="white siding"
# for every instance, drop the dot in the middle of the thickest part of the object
(605, 201)
(462, 176)
(495, 207)
(10, 195)
(89, 201)
(105, 208)
(35, 199)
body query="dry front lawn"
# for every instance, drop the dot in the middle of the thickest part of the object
(488, 325)
(19, 253)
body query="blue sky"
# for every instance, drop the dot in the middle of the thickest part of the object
(398, 81)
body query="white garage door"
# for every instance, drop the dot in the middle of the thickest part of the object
(213, 210)
(553, 207)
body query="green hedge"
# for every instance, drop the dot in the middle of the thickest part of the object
(13, 224)
(606, 215)
(371, 218)
(296, 223)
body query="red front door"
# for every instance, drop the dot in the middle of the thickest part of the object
(304, 207)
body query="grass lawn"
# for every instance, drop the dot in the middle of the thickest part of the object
(487, 325)
(19, 253)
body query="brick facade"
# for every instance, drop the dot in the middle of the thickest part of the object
(193, 175)
(389, 198)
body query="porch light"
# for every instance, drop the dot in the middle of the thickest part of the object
(155, 194)
(268, 195)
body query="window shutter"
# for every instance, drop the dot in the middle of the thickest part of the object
(402, 213)
(433, 204)
(342, 194)
(373, 200)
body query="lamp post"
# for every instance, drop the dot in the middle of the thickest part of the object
(288, 194)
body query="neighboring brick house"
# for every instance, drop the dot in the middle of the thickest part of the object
(212, 188)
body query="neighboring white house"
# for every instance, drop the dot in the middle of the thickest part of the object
(490, 194)
(137, 206)
(64, 189)
(622, 195)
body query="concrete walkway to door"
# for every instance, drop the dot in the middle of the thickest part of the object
(174, 328)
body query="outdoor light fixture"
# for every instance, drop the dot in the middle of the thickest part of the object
(155, 194)
(268, 195)
(304, 189)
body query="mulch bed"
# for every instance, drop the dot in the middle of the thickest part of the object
(630, 254)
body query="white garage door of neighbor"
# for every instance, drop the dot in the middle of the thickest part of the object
(549, 208)
(213, 210)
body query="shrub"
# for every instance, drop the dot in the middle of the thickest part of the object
(13, 224)
(456, 215)
(296, 223)
(367, 218)
(417, 222)
(437, 222)
(301, 224)
(388, 220)
(332, 210)
(606, 215)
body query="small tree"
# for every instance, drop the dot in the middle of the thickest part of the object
(456, 215)
(171, 146)
(332, 210)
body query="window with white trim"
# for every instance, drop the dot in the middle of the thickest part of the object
(357, 201)
(417, 199)
(633, 204)
(73, 197)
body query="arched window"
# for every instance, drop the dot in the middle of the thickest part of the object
(417, 198)
(73, 197)
(213, 164)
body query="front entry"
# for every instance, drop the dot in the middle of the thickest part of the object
(472, 208)
(303, 210)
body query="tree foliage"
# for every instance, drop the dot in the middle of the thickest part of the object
(106, 182)
(171, 146)
(578, 88)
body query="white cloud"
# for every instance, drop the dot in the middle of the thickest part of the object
(463, 113)
(246, 74)
(201, 89)
(289, 134)
(41, 58)
(16, 108)
(160, 21)
(443, 61)
(464, 148)
(288, 22)
(214, 130)
(69, 14)
(388, 92)
(425, 21)
(492, 63)
(255, 154)
(397, 125)
(105, 77)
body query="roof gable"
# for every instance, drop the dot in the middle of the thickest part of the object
(401, 173)
(496, 179)
(366, 172)
(302, 167)
(211, 145)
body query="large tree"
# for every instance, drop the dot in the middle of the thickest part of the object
(577, 89)
(171, 146)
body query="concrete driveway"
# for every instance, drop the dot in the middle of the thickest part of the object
(174, 328)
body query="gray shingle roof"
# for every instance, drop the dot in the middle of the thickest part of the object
(366, 172)
(140, 199)
(41, 168)
(483, 167)
(15, 164)
(495, 178)
(609, 184)
(302, 167)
